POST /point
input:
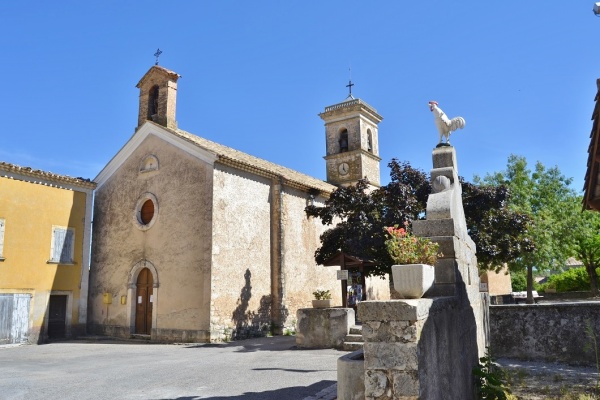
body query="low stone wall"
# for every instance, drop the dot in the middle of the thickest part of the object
(545, 331)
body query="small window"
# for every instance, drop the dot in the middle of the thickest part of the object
(344, 141)
(1, 239)
(147, 212)
(63, 245)
(369, 141)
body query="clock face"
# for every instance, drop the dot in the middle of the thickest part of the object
(343, 168)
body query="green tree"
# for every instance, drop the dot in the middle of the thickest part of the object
(518, 281)
(364, 214)
(545, 196)
(498, 232)
(586, 230)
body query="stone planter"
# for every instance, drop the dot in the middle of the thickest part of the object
(321, 303)
(411, 281)
(351, 376)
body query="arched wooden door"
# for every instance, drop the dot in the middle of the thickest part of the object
(143, 309)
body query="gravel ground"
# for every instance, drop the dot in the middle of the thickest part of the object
(541, 380)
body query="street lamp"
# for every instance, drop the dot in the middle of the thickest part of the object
(596, 9)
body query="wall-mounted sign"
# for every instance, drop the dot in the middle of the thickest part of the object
(342, 275)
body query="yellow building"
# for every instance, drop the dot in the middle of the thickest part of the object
(45, 228)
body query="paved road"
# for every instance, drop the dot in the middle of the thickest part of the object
(264, 368)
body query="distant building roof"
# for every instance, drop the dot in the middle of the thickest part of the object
(572, 262)
(591, 188)
(43, 177)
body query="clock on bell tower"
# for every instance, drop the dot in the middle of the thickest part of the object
(352, 140)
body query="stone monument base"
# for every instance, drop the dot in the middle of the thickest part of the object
(420, 349)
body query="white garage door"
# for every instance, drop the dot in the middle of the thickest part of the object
(14, 318)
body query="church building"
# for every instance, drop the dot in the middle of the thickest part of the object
(194, 241)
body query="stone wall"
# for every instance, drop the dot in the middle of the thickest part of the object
(241, 257)
(300, 274)
(548, 332)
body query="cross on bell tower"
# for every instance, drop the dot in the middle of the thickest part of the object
(157, 54)
(349, 86)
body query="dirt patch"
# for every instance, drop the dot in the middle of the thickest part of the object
(539, 380)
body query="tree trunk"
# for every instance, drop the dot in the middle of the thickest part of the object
(530, 285)
(591, 270)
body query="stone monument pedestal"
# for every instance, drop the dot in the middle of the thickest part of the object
(426, 348)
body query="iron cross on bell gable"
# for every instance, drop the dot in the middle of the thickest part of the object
(157, 54)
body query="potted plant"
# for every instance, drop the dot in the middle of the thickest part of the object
(322, 299)
(414, 257)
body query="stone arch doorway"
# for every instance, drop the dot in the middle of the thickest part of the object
(144, 300)
(143, 294)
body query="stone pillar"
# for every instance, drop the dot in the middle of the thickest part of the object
(426, 348)
(446, 225)
(391, 331)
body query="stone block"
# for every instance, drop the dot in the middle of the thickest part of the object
(445, 271)
(442, 290)
(396, 356)
(447, 245)
(444, 157)
(438, 206)
(376, 385)
(390, 331)
(448, 172)
(405, 384)
(436, 227)
(394, 310)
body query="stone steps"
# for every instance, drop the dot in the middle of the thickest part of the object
(356, 330)
(138, 336)
(354, 340)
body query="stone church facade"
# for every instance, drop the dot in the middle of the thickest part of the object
(194, 241)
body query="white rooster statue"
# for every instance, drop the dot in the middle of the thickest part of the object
(445, 125)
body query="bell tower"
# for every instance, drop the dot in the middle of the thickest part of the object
(158, 95)
(352, 139)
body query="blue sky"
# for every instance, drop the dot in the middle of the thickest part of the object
(256, 74)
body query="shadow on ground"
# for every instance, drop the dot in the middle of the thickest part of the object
(291, 393)
(275, 343)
